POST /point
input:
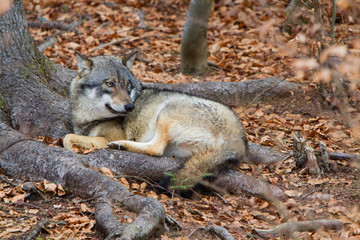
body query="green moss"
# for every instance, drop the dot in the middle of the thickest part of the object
(63, 92)
(40, 70)
(2, 102)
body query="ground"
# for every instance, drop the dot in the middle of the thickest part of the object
(245, 42)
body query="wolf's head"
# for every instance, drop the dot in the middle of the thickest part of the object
(105, 87)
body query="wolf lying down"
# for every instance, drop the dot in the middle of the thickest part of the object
(110, 108)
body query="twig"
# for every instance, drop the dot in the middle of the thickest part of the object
(287, 229)
(219, 196)
(333, 18)
(13, 184)
(29, 205)
(171, 221)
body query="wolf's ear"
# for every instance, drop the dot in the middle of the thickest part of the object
(84, 63)
(128, 60)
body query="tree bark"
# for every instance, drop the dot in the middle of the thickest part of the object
(236, 94)
(30, 81)
(194, 52)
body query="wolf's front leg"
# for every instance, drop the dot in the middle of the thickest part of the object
(153, 148)
(84, 141)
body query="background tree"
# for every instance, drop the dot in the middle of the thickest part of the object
(194, 50)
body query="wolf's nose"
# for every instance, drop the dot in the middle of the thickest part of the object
(129, 107)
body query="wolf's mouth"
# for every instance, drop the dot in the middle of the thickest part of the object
(112, 110)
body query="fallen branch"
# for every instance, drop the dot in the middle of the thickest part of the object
(339, 156)
(288, 228)
(49, 42)
(51, 25)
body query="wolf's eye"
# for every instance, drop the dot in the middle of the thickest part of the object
(109, 84)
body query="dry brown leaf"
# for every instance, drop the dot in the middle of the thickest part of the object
(319, 181)
(18, 198)
(107, 172)
(85, 208)
(60, 190)
(124, 182)
(50, 187)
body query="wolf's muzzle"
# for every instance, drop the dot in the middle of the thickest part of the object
(129, 107)
(113, 111)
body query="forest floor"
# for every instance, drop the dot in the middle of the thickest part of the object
(245, 42)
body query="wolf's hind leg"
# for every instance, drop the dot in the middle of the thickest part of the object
(84, 141)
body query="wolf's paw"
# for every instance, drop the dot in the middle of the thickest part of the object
(117, 145)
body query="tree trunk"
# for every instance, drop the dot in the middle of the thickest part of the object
(194, 52)
(30, 81)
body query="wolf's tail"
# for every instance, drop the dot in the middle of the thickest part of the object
(208, 162)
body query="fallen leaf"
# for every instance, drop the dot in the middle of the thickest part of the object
(107, 172)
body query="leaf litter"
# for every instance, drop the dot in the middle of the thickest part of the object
(245, 42)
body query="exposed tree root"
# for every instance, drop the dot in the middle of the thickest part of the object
(288, 228)
(153, 168)
(264, 155)
(51, 25)
(219, 231)
(237, 94)
(235, 182)
(37, 161)
(49, 42)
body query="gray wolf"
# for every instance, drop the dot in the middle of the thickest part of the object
(111, 108)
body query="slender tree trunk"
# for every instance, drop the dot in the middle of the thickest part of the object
(194, 52)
